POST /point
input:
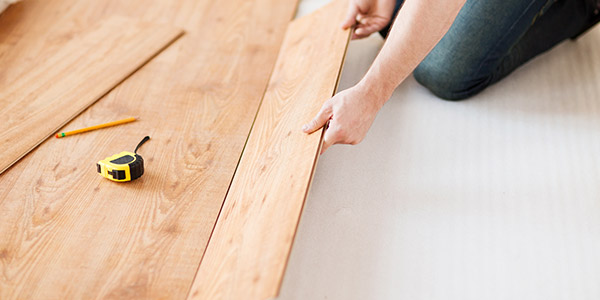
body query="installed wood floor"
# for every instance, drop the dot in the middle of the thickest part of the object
(67, 232)
(36, 101)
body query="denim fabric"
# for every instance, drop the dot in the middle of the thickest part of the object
(491, 38)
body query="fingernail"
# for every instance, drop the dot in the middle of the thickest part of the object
(305, 127)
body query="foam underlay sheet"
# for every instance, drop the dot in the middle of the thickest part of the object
(496, 197)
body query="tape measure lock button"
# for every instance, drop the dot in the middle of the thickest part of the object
(125, 166)
(125, 159)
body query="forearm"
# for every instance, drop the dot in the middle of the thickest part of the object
(419, 26)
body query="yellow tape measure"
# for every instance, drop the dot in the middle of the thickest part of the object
(125, 166)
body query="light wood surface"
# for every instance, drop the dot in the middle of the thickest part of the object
(61, 84)
(69, 233)
(248, 250)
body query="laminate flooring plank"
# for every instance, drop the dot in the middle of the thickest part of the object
(38, 102)
(70, 234)
(191, 15)
(249, 248)
(32, 30)
(37, 27)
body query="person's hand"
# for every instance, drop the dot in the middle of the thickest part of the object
(369, 16)
(350, 114)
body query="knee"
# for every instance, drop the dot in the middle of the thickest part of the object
(450, 78)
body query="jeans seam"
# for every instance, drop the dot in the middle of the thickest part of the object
(487, 55)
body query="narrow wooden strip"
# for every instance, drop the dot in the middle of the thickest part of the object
(63, 84)
(249, 248)
(68, 233)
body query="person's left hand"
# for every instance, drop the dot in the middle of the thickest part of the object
(350, 114)
(368, 16)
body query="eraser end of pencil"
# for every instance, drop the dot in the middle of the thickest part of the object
(57, 135)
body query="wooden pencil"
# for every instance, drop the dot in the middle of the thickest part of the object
(109, 124)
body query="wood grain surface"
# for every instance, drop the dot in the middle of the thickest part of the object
(36, 102)
(68, 233)
(249, 248)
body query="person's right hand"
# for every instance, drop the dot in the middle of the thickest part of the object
(350, 114)
(369, 16)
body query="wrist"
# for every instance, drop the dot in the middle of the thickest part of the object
(378, 92)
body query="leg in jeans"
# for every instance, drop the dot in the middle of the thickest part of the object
(491, 38)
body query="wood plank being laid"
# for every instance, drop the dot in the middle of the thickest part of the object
(249, 248)
(68, 233)
(63, 84)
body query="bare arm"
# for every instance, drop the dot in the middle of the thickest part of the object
(419, 26)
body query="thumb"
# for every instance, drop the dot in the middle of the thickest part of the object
(328, 139)
(319, 120)
(350, 19)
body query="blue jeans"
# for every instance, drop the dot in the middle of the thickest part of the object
(491, 38)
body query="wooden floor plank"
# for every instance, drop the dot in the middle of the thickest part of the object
(69, 233)
(40, 100)
(248, 250)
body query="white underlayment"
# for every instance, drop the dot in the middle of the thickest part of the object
(497, 197)
(5, 3)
